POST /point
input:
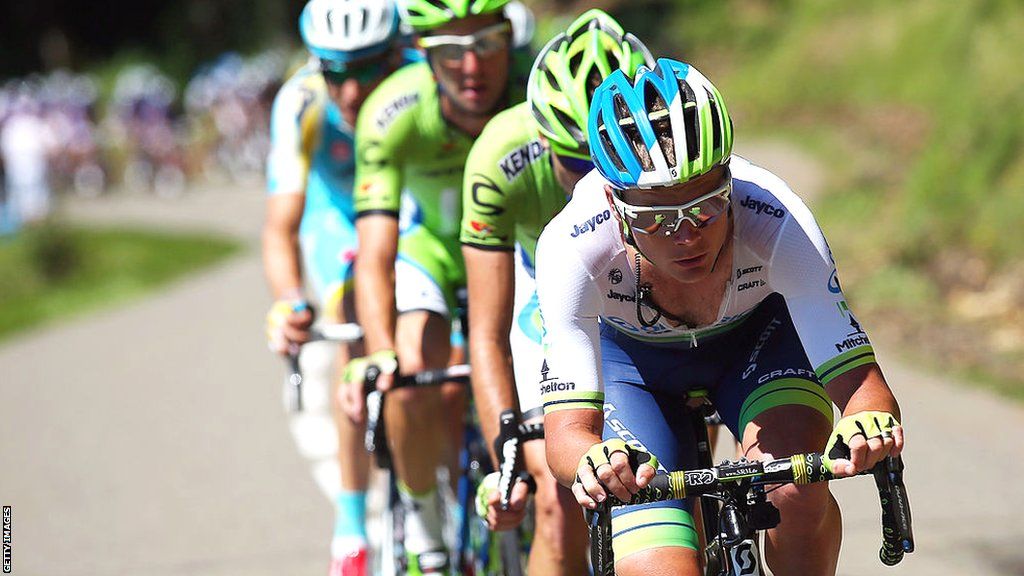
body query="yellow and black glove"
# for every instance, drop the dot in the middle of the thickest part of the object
(869, 424)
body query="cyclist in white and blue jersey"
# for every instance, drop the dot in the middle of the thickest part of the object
(678, 265)
(309, 242)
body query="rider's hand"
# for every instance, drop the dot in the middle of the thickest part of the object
(488, 503)
(606, 468)
(870, 436)
(288, 324)
(351, 393)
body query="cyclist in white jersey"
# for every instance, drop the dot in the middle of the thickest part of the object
(309, 220)
(677, 265)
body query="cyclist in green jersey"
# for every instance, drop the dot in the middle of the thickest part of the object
(413, 135)
(518, 176)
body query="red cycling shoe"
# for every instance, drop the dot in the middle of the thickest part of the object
(352, 564)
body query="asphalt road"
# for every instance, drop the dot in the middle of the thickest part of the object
(149, 438)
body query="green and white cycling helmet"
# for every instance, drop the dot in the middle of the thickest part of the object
(425, 15)
(568, 71)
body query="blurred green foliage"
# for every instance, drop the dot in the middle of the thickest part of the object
(917, 111)
(52, 272)
(919, 106)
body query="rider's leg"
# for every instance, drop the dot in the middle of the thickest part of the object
(667, 561)
(456, 402)
(560, 537)
(353, 460)
(772, 399)
(417, 428)
(807, 541)
(643, 410)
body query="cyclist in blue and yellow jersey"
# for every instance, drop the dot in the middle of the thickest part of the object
(518, 176)
(413, 136)
(679, 265)
(309, 239)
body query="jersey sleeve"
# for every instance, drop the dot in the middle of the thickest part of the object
(385, 123)
(488, 210)
(803, 271)
(569, 306)
(293, 125)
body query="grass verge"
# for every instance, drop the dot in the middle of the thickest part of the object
(56, 271)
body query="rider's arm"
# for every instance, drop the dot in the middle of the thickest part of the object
(377, 199)
(281, 245)
(295, 114)
(571, 387)
(576, 431)
(804, 271)
(490, 278)
(487, 233)
(863, 389)
(375, 280)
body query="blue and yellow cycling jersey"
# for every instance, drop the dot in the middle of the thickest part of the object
(313, 153)
(312, 147)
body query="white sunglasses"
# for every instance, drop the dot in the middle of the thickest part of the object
(700, 212)
(452, 48)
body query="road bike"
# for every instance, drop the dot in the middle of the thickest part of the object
(475, 550)
(734, 506)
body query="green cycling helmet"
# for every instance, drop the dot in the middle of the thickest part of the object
(425, 15)
(570, 68)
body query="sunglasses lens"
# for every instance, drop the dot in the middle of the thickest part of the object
(452, 49)
(448, 53)
(698, 215)
(364, 73)
(709, 209)
(649, 222)
(491, 44)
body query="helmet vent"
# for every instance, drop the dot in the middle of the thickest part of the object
(632, 134)
(594, 80)
(690, 120)
(606, 144)
(551, 77)
(570, 124)
(660, 122)
(716, 122)
(574, 63)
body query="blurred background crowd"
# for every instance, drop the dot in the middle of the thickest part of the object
(59, 134)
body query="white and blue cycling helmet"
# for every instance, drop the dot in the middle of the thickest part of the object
(341, 31)
(662, 127)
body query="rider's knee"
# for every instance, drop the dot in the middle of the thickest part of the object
(676, 560)
(804, 502)
(416, 400)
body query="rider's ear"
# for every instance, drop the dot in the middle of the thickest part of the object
(627, 237)
(608, 191)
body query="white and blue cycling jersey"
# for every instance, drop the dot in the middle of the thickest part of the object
(585, 286)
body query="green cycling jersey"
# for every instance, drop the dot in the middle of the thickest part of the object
(404, 143)
(510, 191)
